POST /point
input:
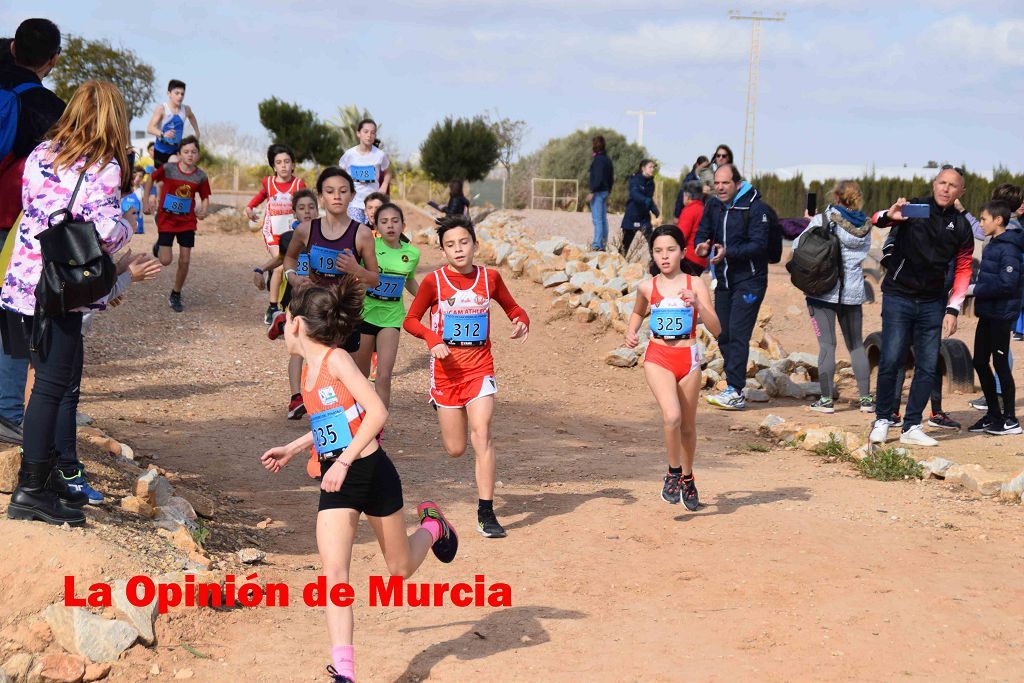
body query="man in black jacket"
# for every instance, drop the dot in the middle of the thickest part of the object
(734, 230)
(29, 58)
(916, 256)
(602, 177)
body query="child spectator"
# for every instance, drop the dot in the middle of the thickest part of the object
(997, 295)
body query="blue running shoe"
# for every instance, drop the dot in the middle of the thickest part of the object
(78, 482)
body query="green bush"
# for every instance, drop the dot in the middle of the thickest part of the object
(459, 149)
(888, 464)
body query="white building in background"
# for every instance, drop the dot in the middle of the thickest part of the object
(822, 172)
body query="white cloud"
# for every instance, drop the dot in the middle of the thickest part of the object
(1001, 43)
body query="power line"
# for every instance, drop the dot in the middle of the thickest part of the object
(756, 18)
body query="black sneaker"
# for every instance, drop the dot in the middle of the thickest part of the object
(1005, 427)
(943, 421)
(690, 498)
(1017, 336)
(70, 490)
(338, 678)
(487, 524)
(272, 310)
(445, 547)
(984, 424)
(670, 489)
(174, 299)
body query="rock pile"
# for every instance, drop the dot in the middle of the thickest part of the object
(972, 477)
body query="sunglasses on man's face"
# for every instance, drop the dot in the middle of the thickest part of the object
(721, 156)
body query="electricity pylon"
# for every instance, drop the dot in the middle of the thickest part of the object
(755, 67)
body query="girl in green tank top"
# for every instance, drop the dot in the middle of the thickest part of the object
(383, 307)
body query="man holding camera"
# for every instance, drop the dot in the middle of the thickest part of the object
(926, 235)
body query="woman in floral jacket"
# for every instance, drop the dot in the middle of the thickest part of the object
(89, 140)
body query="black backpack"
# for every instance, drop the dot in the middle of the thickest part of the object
(817, 262)
(76, 271)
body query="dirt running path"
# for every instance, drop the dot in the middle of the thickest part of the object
(793, 570)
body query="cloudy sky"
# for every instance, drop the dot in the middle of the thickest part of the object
(882, 83)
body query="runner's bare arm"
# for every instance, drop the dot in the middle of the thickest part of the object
(154, 121)
(367, 273)
(192, 119)
(385, 183)
(636, 318)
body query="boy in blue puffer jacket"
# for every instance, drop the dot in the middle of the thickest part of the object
(997, 303)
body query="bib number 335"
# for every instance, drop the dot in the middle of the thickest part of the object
(331, 433)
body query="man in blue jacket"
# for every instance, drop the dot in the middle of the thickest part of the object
(734, 231)
(602, 177)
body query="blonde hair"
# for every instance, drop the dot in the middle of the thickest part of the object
(94, 126)
(848, 194)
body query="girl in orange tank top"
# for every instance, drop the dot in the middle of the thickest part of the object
(345, 415)
(676, 303)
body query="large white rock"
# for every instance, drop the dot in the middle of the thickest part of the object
(83, 633)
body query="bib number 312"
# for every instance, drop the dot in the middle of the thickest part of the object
(465, 329)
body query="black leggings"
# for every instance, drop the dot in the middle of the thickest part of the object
(627, 239)
(992, 341)
(50, 414)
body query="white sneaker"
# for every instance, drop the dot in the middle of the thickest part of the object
(915, 436)
(879, 431)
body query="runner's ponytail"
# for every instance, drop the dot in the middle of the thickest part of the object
(330, 311)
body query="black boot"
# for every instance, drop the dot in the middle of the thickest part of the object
(70, 494)
(35, 500)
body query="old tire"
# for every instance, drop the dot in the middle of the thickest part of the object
(869, 291)
(956, 367)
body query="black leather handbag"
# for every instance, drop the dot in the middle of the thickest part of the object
(76, 271)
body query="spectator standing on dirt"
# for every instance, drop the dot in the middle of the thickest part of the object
(639, 205)
(27, 59)
(602, 177)
(688, 219)
(82, 168)
(997, 295)
(734, 232)
(853, 229)
(915, 311)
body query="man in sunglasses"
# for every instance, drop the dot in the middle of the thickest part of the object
(28, 59)
(915, 311)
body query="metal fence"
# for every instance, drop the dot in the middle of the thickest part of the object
(564, 194)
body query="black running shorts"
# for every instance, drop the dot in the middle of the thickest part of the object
(186, 239)
(372, 486)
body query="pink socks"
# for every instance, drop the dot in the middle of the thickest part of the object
(433, 526)
(344, 661)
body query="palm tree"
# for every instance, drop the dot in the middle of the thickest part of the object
(345, 123)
